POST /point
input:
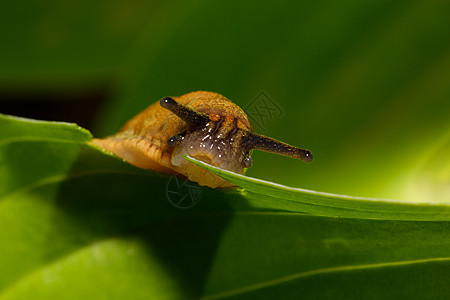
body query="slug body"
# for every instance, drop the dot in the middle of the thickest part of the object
(204, 125)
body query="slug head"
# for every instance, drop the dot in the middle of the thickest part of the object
(221, 140)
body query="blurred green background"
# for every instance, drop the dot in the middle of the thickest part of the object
(365, 85)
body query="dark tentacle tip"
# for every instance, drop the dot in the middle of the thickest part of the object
(247, 162)
(176, 139)
(167, 102)
(306, 156)
(172, 141)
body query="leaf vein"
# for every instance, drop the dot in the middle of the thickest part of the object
(315, 272)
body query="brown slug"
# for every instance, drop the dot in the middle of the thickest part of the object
(204, 125)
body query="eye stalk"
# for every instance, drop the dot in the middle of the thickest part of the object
(249, 141)
(168, 102)
(260, 142)
(191, 117)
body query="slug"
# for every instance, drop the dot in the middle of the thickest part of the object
(204, 125)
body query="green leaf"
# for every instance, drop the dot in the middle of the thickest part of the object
(331, 205)
(77, 222)
(363, 84)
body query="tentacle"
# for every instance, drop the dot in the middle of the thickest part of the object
(251, 140)
(188, 115)
(176, 139)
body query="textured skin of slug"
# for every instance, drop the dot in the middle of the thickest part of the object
(142, 141)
